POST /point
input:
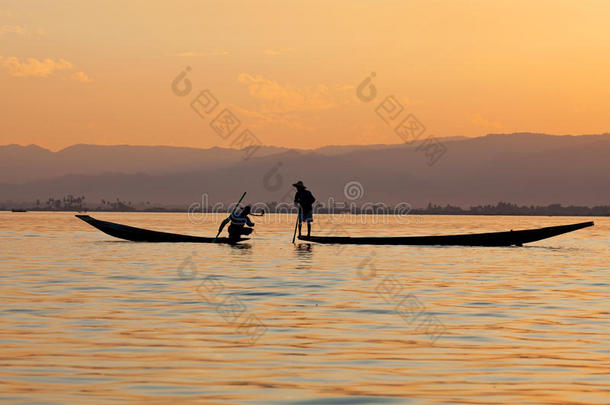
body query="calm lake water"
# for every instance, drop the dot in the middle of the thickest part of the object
(86, 318)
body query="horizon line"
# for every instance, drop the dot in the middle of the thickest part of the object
(446, 138)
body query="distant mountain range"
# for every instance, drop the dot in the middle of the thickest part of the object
(523, 168)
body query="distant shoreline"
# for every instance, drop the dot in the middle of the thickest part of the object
(77, 204)
(414, 212)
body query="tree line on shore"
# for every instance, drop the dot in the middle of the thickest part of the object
(78, 203)
(504, 208)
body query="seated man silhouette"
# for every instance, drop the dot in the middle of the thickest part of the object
(238, 222)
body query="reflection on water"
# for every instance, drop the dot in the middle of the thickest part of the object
(303, 251)
(86, 318)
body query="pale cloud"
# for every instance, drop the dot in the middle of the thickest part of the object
(276, 98)
(21, 30)
(81, 77)
(263, 121)
(12, 29)
(276, 52)
(196, 53)
(33, 67)
(407, 101)
(346, 87)
(480, 121)
(288, 106)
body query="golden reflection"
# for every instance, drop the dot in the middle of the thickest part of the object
(88, 321)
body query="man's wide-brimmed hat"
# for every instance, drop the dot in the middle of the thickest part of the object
(299, 184)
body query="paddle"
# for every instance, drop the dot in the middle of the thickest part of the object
(223, 223)
(294, 235)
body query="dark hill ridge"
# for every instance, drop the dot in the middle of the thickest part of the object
(521, 168)
(19, 164)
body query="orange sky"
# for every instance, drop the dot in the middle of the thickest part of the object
(101, 72)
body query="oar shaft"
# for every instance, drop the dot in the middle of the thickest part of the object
(294, 235)
(237, 205)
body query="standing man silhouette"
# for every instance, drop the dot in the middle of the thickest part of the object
(304, 199)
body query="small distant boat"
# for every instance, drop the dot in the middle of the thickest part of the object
(510, 238)
(19, 210)
(145, 235)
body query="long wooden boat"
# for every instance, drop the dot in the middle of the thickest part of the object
(145, 235)
(510, 238)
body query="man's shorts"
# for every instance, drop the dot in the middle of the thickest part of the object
(306, 216)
